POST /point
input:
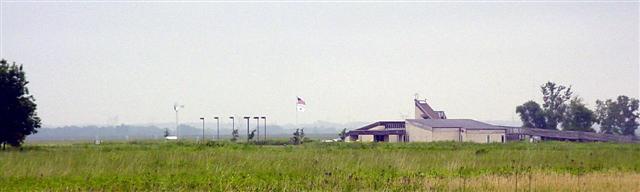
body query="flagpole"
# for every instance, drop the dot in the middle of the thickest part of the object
(297, 113)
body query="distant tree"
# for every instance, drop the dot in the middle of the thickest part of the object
(578, 117)
(298, 137)
(606, 116)
(234, 135)
(531, 115)
(628, 119)
(18, 116)
(343, 134)
(619, 116)
(166, 132)
(295, 139)
(252, 134)
(554, 97)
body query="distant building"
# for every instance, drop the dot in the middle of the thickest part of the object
(430, 125)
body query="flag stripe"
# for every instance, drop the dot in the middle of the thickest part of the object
(300, 101)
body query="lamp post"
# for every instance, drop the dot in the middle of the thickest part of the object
(217, 128)
(247, 118)
(233, 123)
(257, 128)
(265, 127)
(202, 118)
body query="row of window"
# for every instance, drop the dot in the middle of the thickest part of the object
(393, 125)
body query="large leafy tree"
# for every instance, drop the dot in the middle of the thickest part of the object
(551, 113)
(628, 118)
(606, 112)
(554, 97)
(531, 115)
(578, 117)
(618, 116)
(18, 116)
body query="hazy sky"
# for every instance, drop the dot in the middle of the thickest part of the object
(91, 62)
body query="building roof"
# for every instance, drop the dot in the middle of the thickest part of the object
(399, 124)
(570, 135)
(390, 128)
(377, 132)
(452, 123)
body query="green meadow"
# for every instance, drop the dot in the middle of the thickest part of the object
(225, 166)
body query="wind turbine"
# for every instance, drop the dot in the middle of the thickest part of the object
(176, 108)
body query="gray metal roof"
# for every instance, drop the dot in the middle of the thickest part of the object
(377, 132)
(452, 123)
(570, 135)
(382, 123)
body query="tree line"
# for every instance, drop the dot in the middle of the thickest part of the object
(561, 107)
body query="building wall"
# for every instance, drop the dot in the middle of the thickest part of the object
(480, 136)
(446, 134)
(369, 138)
(365, 138)
(416, 134)
(393, 139)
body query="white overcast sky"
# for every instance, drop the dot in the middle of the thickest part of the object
(91, 62)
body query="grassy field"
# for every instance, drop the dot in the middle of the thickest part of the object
(187, 166)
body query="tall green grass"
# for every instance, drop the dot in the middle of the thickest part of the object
(225, 166)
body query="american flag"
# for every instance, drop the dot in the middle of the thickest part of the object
(300, 105)
(300, 101)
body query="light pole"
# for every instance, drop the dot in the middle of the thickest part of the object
(247, 118)
(233, 123)
(217, 128)
(265, 127)
(202, 118)
(257, 128)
